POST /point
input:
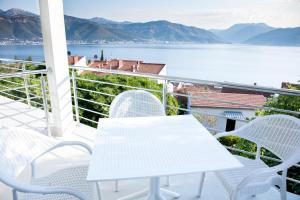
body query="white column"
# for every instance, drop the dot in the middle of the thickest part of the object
(55, 50)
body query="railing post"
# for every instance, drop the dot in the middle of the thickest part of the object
(25, 78)
(45, 103)
(188, 106)
(75, 96)
(164, 94)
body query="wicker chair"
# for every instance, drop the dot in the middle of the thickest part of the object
(20, 148)
(279, 134)
(136, 103)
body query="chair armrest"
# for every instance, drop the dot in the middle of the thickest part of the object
(256, 173)
(59, 145)
(66, 143)
(293, 159)
(25, 188)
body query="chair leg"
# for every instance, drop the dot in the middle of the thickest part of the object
(283, 192)
(201, 185)
(283, 185)
(98, 191)
(167, 181)
(116, 186)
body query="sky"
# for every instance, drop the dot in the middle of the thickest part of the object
(200, 13)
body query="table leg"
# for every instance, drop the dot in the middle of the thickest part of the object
(154, 192)
(170, 193)
(135, 195)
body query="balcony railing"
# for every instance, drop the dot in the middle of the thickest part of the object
(93, 89)
(25, 82)
(83, 107)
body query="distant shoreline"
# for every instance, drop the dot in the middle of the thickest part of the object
(27, 43)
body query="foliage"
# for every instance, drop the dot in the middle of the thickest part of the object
(29, 58)
(112, 85)
(13, 87)
(285, 102)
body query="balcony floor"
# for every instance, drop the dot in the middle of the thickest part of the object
(185, 185)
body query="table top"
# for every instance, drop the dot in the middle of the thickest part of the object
(129, 148)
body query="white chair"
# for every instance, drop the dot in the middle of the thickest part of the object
(20, 148)
(279, 134)
(136, 103)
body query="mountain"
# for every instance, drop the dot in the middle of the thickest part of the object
(239, 33)
(17, 12)
(19, 24)
(278, 37)
(101, 20)
(22, 25)
(167, 31)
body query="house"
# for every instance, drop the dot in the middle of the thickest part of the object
(131, 66)
(222, 111)
(77, 60)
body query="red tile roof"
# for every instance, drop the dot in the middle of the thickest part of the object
(226, 100)
(129, 65)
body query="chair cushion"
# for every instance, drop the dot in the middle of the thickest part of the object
(232, 178)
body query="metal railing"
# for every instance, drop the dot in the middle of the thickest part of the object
(205, 116)
(25, 82)
(21, 83)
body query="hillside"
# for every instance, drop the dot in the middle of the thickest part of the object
(167, 31)
(101, 20)
(19, 24)
(22, 25)
(239, 33)
(278, 37)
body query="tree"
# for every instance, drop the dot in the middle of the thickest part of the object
(102, 55)
(69, 53)
(95, 56)
(29, 58)
(112, 90)
(284, 102)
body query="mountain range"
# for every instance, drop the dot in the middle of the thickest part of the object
(16, 24)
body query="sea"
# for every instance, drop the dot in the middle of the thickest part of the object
(264, 65)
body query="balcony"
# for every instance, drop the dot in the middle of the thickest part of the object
(26, 102)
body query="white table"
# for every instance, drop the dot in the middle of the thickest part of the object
(132, 148)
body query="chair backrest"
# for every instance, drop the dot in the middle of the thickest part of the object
(279, 134)
(18, 148)
(136, 103)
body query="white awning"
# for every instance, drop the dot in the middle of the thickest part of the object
(234, 115)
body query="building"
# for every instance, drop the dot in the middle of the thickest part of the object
(79, 61)
(131, 66)
(223, 111)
